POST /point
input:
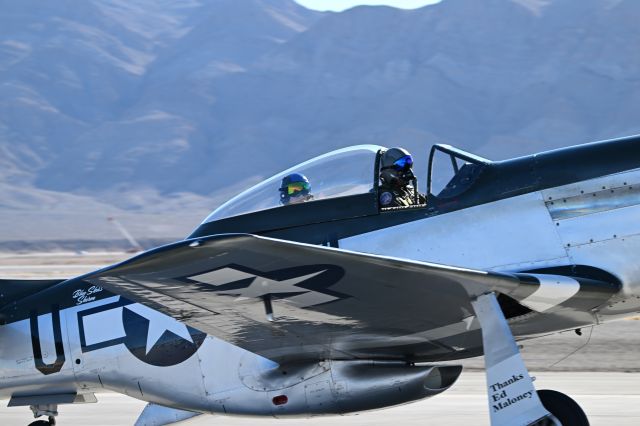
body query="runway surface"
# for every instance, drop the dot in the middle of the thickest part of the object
(607, 398)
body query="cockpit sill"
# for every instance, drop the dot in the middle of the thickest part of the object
(327, 220)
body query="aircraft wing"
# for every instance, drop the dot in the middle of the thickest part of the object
(290, 301)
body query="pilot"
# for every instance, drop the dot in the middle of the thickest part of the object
(397, 188)
(295, 189)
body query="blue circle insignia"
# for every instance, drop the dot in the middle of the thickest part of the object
(170, 349)
(386, 198)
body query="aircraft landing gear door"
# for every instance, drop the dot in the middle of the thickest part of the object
(452, 171)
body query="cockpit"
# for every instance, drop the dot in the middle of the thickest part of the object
(345, 185)
(341, 173)
(355, 170)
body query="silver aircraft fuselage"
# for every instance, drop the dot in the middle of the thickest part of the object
(113, 344)
(217, 377)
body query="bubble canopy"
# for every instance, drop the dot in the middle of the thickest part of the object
(346, 171)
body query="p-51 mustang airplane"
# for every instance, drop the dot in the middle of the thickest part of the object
(337, 305)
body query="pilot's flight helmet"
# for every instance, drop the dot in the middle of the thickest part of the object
(395, 167)
(294, 185)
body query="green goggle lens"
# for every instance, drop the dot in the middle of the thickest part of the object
(294, 188)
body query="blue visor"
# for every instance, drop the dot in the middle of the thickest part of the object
(403, 163)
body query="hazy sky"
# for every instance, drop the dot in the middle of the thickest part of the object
(338, 5)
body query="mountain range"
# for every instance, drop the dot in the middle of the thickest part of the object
(156, 111)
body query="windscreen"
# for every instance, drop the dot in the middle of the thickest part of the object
(347, 171)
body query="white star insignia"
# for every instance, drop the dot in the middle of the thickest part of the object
(158, 324)
(261, 286)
